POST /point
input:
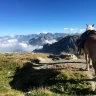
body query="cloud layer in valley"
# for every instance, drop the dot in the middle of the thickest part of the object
(13, 45)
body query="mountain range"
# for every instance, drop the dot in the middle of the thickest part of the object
(30, 36)
(28, 43)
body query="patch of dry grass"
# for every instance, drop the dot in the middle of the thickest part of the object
(12, 69)
(41, 91)
(12, 93)
(21, 58)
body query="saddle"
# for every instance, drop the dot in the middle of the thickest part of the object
(84, 36)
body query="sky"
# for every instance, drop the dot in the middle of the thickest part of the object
(35, 16)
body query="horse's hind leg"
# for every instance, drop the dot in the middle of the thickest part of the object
(90, 64)
(87, 63)
(94, 66)
(94, 62)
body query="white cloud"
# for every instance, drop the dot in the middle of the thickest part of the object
(44, 32)
(66, 28)
(82, 30)
(12, 41)
(50, 41)
(13, 45)
(73, 30)
(12, 36)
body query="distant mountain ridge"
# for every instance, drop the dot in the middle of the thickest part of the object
(30, 36)
(66, 44)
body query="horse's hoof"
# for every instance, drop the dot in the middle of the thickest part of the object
(86, 69)
(82, 69)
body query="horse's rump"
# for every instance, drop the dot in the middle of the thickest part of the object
(90, 46)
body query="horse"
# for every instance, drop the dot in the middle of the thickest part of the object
(89, 30)
(90, 48)
(87, 58)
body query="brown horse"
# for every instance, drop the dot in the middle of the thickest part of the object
(87, 58)
(81, 43)
(90, 48)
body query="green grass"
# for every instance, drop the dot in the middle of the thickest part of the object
(71, 83)
(15, 79)
(7, 69)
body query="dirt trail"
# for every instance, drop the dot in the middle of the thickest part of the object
(81, 64)
(78, 63)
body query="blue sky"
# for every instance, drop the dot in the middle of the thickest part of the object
(33, 16)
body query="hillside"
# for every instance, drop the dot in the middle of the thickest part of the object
(20, 76)
(66, 44)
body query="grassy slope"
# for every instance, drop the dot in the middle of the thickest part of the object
(16, 79)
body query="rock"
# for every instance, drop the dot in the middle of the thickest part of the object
(41, 60)
(68, 56)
